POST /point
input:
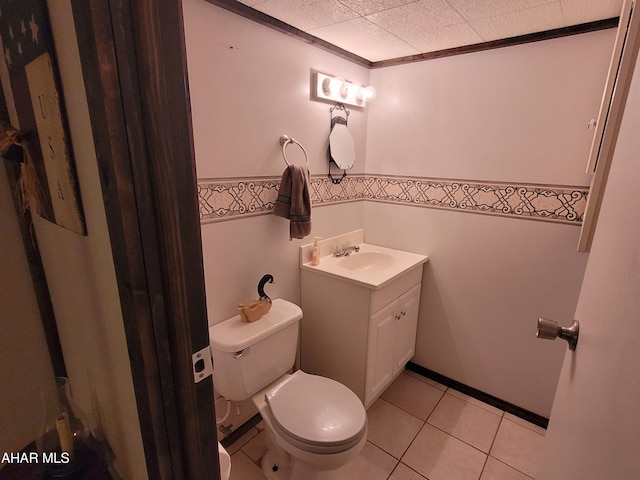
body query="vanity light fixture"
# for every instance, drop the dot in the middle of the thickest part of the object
(337, 89)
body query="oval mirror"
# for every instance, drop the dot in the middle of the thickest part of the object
(341, 146)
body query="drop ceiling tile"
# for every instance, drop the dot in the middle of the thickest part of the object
(365, 39)
(367, 7)
(583, 11)
(538, 19)
(307, 15)
(451, 36)
(428, 25)
(384, 29)
(418, 17)
(478, 9)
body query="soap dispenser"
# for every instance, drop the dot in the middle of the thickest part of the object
(315, 255)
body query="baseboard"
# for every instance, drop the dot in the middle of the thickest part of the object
(241, 430)
(477, 394)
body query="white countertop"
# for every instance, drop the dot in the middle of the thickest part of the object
(386, 267)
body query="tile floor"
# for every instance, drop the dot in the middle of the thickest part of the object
(420, 430)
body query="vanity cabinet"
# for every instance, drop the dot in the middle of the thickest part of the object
(359, 336)
(392, 341)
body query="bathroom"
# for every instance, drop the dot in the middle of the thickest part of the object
(511, 115)
(489, 277)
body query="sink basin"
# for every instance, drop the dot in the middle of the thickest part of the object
(372, 267)
(367, 261)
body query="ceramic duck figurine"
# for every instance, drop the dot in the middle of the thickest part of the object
(256, 309)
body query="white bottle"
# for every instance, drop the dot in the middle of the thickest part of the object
(315, 255)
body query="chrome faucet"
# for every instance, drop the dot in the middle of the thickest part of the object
(345, 250)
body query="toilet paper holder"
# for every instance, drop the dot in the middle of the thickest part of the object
(550, 330)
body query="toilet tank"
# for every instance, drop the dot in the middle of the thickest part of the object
(249, 356)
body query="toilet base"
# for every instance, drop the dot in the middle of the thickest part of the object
(277, 464)
(275, 471)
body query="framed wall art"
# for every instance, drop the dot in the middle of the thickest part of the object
(31, 87)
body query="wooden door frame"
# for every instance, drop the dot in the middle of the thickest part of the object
(134, 66)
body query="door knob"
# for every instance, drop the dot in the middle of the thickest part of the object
(550, 330)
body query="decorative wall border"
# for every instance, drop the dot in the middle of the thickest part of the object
(233, 198)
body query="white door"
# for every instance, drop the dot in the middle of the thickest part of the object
(594, 429)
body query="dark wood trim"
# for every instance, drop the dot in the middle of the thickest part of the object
(241, 430)
(166, 108)
(32, 252)
(268, 21)
(480, 395)
(102, 85)
(134, 65)
(506, 42)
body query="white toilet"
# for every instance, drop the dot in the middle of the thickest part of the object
(225, 463)
(314, 425)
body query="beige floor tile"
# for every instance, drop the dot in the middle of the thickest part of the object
(242, 468)
(413, 396)
(402, 472)
(391, 428)
(466, 421)
(518, 447)
(256, 447)
(240, 442)
(495, 470)
(396, 426)
(439, 456)
(524, 423)
(426, 380)
(371, 464)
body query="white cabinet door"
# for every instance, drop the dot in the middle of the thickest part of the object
(406, 327)
(392, 342)
(380, 351)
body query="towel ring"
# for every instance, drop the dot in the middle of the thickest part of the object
(284, 141)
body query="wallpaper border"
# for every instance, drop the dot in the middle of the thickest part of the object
(223, 199)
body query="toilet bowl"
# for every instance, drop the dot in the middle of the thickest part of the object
(225, 463)
(314, 426)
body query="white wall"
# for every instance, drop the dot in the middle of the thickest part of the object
(81, 278)
(238, 118)
(513, 114)
(487, 281)
(249, 85)
(25, 368)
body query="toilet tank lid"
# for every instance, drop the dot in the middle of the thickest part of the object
(234, 334)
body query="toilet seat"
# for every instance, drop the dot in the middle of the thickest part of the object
(316, 414)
